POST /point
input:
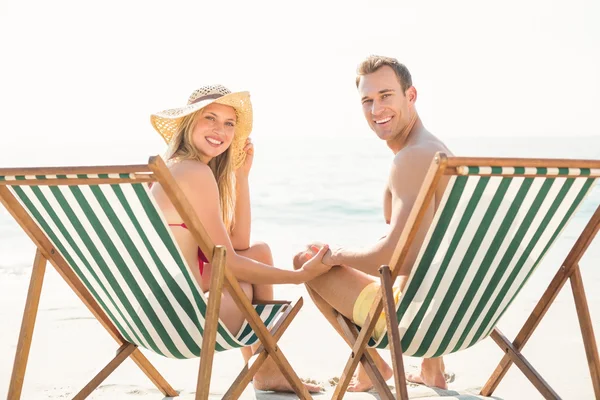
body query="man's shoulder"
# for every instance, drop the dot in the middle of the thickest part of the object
(411, 165)
(420, 152)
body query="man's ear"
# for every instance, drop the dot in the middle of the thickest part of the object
(411, 94)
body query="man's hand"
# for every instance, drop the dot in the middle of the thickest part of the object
(311, 249)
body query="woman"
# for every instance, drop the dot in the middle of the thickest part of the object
(210, 156)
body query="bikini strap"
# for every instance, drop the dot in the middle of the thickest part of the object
(183, 225)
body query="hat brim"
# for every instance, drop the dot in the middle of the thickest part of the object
(167, 122)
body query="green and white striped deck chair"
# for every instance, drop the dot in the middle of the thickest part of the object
(494, 224)
(102, 230)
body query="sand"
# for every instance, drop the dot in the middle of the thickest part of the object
(69, 347)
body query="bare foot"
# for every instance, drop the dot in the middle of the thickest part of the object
(361, 382)
(277, 383)
(430, 375)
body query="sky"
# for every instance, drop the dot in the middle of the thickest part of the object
(79, 77)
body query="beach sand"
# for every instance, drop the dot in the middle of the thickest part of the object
(69, 347)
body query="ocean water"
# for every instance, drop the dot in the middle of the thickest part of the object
(331, 190)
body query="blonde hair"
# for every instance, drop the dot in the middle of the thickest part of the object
(181, 147)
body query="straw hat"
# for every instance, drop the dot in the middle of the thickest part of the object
(166, 122)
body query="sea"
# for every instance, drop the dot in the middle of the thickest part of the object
(330, 190)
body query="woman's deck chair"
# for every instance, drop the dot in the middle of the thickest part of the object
(494, 224)
(102, 231)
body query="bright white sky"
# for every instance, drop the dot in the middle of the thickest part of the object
(75, 73)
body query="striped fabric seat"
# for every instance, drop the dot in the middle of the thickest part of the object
(490, 232)
(116, 240)
(494, 223)
(101, 229)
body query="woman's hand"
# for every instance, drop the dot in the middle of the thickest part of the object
(314, 266)
(244, 169)
(330, 257)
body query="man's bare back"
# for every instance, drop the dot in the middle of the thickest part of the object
(419, 151)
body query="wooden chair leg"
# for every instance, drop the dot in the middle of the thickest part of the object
(260, 355)
(152, 373)
(393, 333)
(526, 331)
(571, 262)
(43, 243)
(366, 360)
(265, 337)
(122, 353)
(520, 361)
(587, 331)
(283, 365)
(211, 323)
(359, 349)
(25, 336)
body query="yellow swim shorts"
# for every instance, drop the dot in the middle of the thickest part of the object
(362, 306)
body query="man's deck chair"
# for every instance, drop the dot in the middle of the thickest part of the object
(102, 231)
(494, 224)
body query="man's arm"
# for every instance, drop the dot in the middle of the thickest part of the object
(406, 178)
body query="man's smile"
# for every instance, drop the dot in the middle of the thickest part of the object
(383, 121)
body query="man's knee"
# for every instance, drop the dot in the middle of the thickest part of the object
(300, 259)
(262, 253)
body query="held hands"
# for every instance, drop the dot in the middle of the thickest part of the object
(244, 169)
(328, 258)
(314, 266)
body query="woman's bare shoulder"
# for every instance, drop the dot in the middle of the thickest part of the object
(190, 169)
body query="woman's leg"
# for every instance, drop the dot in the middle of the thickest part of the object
(341, 286)
(268, 377)
(229, 313)
(260, 252)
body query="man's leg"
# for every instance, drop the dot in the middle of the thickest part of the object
(361, 381)
(431, 373)
(269, 376)
(338, 290)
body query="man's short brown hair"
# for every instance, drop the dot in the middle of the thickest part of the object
(373, 63)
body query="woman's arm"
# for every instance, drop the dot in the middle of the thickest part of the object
(240, 234)
(193, 175)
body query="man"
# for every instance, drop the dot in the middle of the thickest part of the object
(388, 101)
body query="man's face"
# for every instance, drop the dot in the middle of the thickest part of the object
(385, 105)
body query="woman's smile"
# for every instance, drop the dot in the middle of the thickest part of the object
(214, 141)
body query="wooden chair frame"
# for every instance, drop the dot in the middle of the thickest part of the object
(154, 171)
(448, 166)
